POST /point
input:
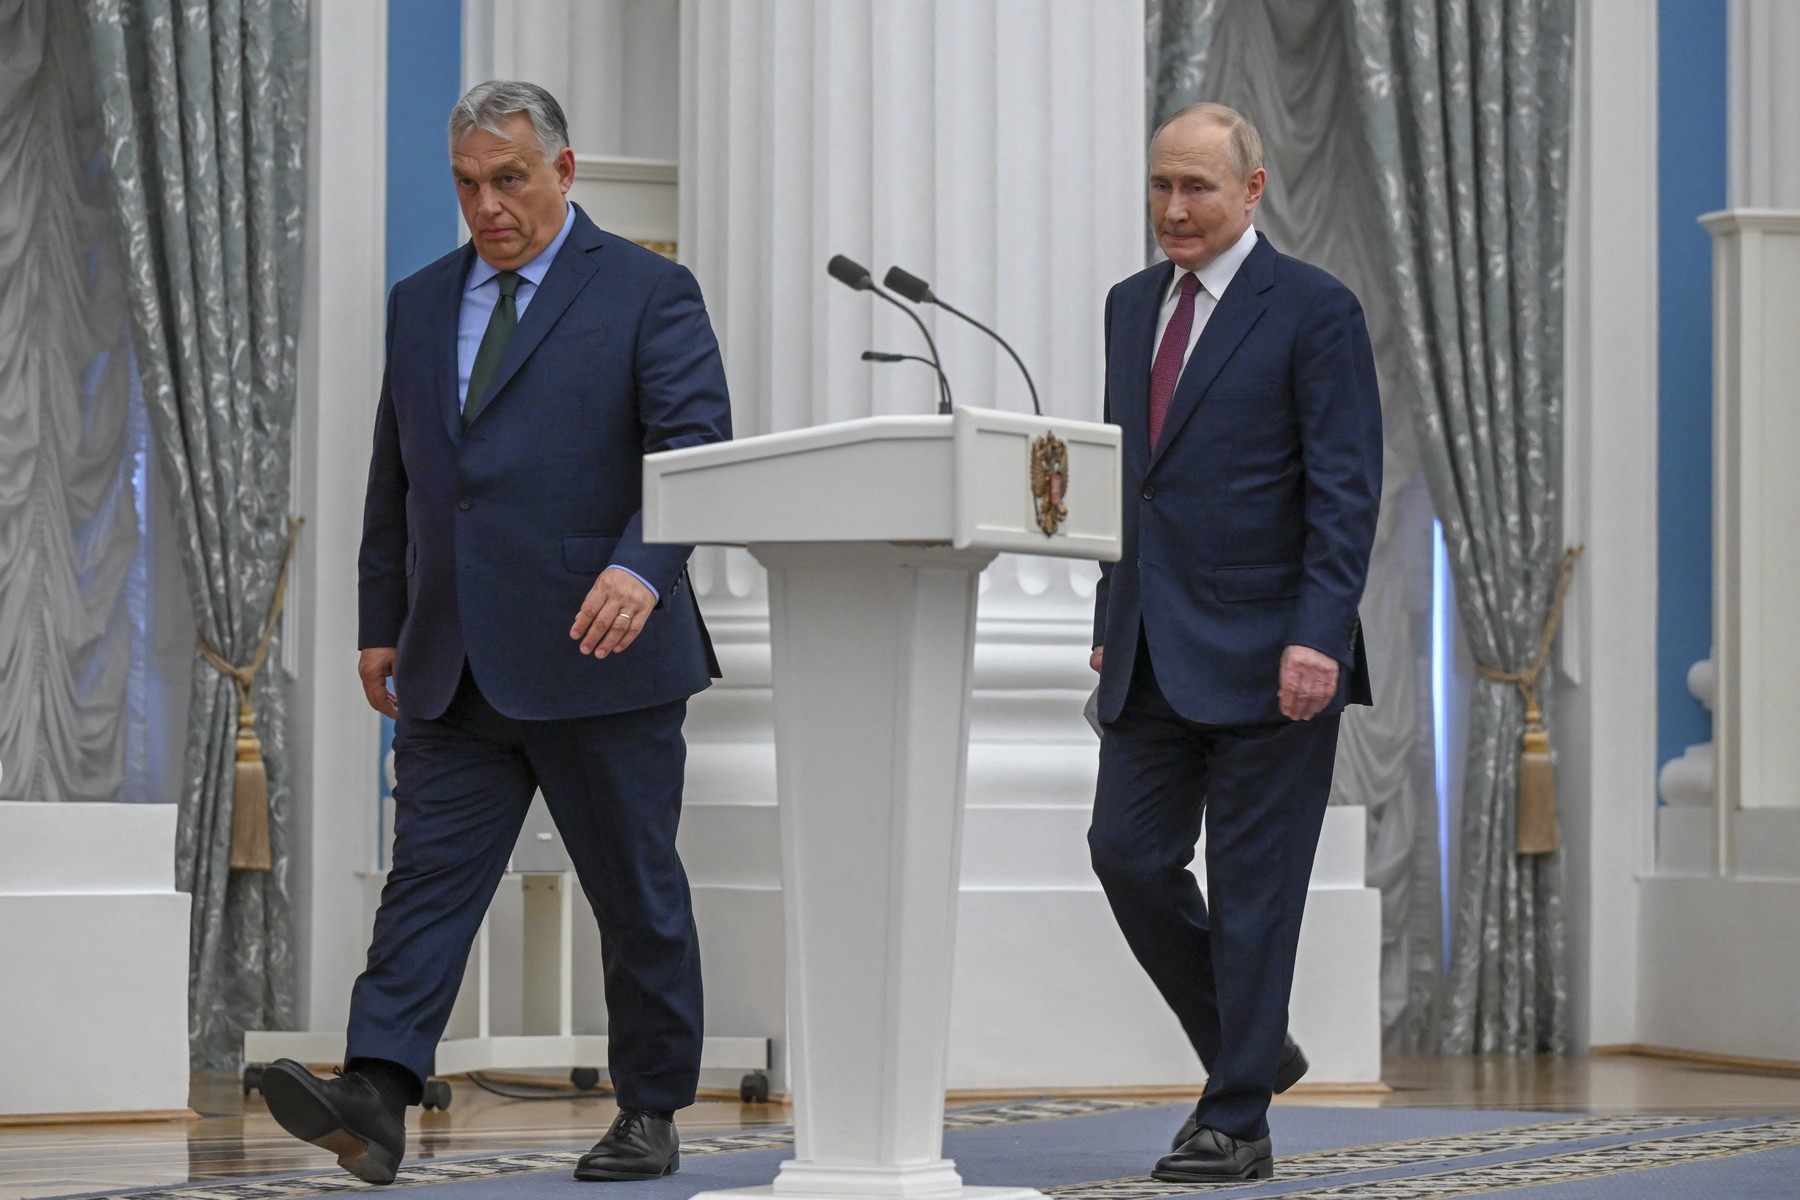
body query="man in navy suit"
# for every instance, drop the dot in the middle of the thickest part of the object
(1226, 636)
(533, 639)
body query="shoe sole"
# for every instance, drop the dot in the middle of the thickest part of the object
(594, 1175)
(300, 1111)
(1262, 1168)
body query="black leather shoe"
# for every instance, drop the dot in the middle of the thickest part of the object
(1288, 1071)
(1210, 1156)
(640, 1145)
(345, 1114)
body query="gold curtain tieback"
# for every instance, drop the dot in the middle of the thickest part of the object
(250, 849)
(1536, 825)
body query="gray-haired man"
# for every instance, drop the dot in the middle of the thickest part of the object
(532, 639)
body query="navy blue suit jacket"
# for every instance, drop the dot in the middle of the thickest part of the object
(1249, 529)
(482, 544)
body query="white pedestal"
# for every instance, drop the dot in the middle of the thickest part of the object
(94, 941)
(873, 644)
(874, 534)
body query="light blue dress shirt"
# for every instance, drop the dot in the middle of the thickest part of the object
(480, 294)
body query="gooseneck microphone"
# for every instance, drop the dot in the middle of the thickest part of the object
(855, 276)
(882, 356)
(919, 292)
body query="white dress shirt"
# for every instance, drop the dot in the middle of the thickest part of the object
(1215, 277)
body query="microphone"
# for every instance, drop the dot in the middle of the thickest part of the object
(856, 277)
(919, 292)
(882, 356)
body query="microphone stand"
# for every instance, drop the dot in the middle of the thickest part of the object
(880, 356)
(855, 276)
(919, 292)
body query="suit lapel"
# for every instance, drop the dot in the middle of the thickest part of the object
(569, 272)
(1136, 349)
(1236, 313)
(449, 317)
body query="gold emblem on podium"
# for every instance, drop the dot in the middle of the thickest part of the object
(1050, 481)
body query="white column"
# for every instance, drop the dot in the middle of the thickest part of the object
(1764, 107)
(1607, 762)
(611, 64)
(335, 738)
(996, 149)
(1756, 510)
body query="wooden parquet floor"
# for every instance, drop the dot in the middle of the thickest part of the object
(233, 1137)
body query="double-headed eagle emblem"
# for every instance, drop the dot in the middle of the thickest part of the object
(1050, 481)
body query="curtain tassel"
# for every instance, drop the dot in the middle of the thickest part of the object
(251, 849)
(1537, 788)
(1535, 816)
(250, 799)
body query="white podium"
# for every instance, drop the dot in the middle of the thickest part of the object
(874, 533)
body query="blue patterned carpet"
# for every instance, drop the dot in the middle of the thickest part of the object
(1103, 1150)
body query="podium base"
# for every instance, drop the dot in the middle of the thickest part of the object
(770, 1192)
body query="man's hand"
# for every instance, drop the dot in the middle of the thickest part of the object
(1095, 658)
(1308, 682)
(613, 613)
(376, 667)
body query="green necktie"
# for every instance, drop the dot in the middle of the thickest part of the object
(493, 345)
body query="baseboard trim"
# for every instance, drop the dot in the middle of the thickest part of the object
(9, 1120)
(1704, 1058)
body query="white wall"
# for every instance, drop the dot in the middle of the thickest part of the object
(1606, 678)
(1719, 964)
(335, 738)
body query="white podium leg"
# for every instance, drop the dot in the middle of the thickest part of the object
(873, 645)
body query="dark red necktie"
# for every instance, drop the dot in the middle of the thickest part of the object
(1165, 372)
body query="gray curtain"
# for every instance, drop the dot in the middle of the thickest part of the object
(68, 514)
(1467, 105)
(204, 108)
(1290, 66)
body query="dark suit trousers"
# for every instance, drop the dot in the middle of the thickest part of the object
(463, 783)
(1226, 969)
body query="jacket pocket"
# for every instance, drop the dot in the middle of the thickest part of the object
(588, 553)
(1270, 581)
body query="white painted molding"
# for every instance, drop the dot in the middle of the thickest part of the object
(1764, 105)
(335, 737)
(1756, 511)
(598, 168)
(632, 197)
(1607, 724)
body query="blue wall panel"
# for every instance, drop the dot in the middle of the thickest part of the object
(424, 83)
(1691, 172)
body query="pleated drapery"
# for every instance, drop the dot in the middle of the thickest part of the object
(205, 107)
(68, 517)
(1467, 104)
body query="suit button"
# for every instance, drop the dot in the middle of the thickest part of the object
(465, 504)
(1149, 493)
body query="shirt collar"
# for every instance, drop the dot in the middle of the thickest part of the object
(533, 271)
(1217, 275)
